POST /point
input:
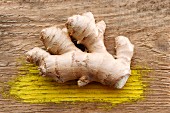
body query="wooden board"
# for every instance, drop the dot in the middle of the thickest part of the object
(146, 23)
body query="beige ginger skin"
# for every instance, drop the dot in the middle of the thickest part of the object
(68, 62)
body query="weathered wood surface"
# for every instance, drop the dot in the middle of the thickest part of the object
(145, 22)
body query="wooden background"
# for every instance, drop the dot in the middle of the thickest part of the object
(145, 22)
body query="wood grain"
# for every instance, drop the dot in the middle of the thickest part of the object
(146, 23)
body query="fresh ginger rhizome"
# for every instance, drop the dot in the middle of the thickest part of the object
(68, 62)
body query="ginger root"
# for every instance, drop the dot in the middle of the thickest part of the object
(68, 62)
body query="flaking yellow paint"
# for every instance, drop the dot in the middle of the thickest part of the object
(32, 88)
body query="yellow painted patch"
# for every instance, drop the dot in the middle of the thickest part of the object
(32, 88)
